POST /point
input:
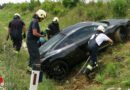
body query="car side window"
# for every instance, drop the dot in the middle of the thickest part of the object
(76, 36)
(81, 33)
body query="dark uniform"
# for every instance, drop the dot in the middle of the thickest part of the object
(54, 28)
(32, 45)
(16, 26)
(94, 42)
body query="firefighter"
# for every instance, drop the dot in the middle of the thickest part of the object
(95, 41)
(15, 32)
(53, 28)
(32, 38)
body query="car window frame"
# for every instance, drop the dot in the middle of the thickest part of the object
(55, 48)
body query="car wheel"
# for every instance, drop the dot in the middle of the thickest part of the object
(121, 35)
(58, 70)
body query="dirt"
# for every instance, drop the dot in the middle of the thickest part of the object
(79, 83)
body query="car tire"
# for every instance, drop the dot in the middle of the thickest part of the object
(58, 70)
(121, 35)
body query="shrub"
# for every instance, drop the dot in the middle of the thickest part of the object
(119, 8)
(99, 3)
(33, 4)
(99, 14)
(70, 3)
(24, 6)
(57, 11)
(48, 6)
(80, 9)
(95, 14)
(90, 12)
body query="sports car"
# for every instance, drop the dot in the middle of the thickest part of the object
(66, 49)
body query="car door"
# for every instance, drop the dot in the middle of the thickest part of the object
(76, 40)
(86, 33)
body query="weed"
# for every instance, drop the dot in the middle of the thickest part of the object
(99, 78)
(111, 69)
(110, 81)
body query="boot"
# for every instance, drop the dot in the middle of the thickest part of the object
(87, 72)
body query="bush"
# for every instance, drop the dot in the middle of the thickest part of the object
(57, 11)
(70, 3)
(119, 8)
(80, 9)
(99, 3)
(24, 6)
(92, 13)
(99, 14)
(48, 6)
(34, 4)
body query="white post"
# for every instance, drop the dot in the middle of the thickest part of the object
(34, 80)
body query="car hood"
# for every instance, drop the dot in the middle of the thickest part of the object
(58, 53)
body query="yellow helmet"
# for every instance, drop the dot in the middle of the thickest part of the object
(101, 28)
(41, 13)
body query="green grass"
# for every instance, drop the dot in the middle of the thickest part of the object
(114, 69)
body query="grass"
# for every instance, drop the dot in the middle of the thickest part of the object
(115, 62)
(115, 71)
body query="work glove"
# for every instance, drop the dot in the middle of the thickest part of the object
(43, 35)
(42, 32)
(7, 37)
(24, 35)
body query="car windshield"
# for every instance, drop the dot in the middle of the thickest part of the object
(50, 43)
(98, 23)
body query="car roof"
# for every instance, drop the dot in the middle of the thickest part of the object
(116, 21)
(75, 26)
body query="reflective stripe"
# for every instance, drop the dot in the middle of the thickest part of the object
(96, 65)
(29, 68)
(89, 67)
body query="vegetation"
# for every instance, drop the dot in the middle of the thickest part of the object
(70, 3)
(115, 62)
(119, 8)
